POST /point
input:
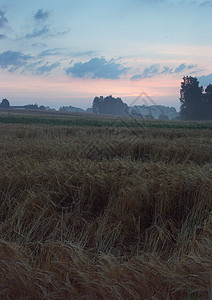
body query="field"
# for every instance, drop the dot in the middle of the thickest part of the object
(12, 116)
(105, 212)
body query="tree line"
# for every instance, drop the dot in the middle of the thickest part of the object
(196, 102)
(6, 104)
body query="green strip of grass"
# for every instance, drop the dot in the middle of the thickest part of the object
(119, 122)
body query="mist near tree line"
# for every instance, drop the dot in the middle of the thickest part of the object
(196, 104)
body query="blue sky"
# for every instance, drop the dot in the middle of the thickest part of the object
(67, 52)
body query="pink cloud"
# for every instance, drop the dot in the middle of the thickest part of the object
(17, 86)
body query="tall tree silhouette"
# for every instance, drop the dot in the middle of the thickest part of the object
(192, 107)
(208, 102)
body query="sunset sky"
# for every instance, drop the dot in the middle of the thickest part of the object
(67, 52)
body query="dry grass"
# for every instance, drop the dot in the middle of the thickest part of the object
(105, 213)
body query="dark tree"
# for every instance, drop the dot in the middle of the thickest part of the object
(5, 104)
(109, 105)
(208, 93)
(42, 107)
(192, 107)
(31, 106)
(207, 98)
(97, 103)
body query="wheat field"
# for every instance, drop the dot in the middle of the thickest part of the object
(105, 213)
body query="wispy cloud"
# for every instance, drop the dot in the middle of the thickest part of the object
(97, 68)
(18, 61)
(156, 70)
(147, 73)
(37, 32)
(179, 69)
(85, 53)
(3, 19)
(58, 33)
(50, 52)
(2, 36)
(206, 4)
(41, 15)
(191, 67)
(13, 59)
(39, 45)
(150, 72)
(46, 68)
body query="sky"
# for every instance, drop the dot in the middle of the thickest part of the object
(60, 53)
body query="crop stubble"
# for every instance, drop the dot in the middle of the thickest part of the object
(131, 221)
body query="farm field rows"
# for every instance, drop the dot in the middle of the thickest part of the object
(11, 116)
(105, 212)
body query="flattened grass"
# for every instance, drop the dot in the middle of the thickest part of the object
(105, 213)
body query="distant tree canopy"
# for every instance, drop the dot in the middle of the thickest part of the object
(34, 106)
(31, 106)
(196, 104)
(4, 103)
(109, 105)
(70, 108)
